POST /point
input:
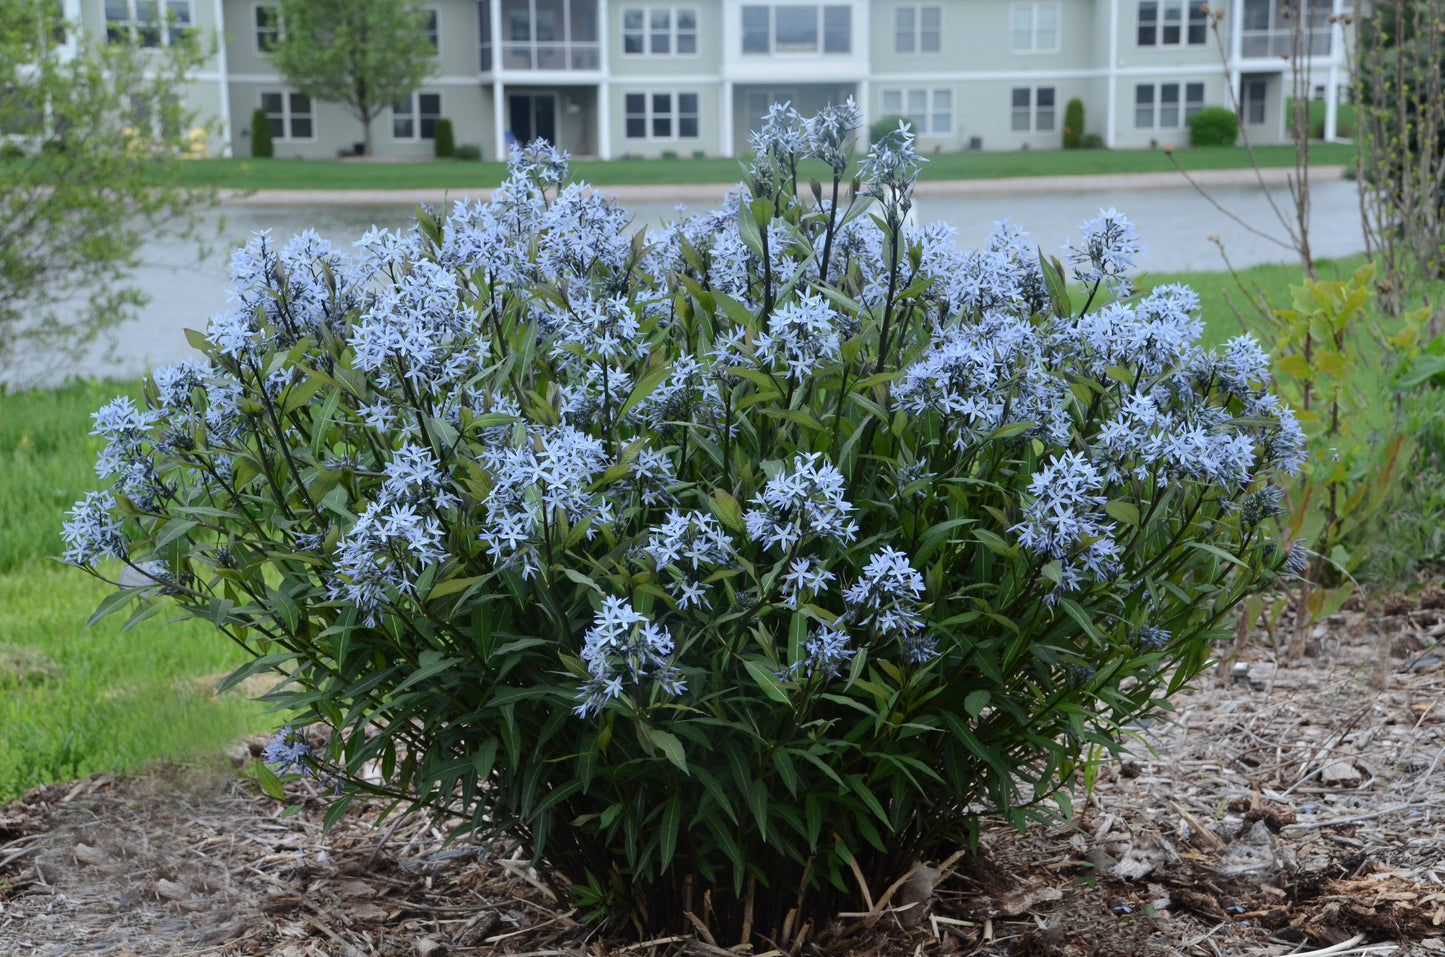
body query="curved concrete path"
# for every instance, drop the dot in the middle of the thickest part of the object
(712, 192)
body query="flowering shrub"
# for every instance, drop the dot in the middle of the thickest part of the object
(720, 565)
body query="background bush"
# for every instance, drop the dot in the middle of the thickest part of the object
(886, 126)
(446, 144)
(1213, 126)
(767, 551)
(469, 152)
(261, 145)
(1074, 124)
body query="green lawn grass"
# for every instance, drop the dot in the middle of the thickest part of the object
(452, 174)
(88, 699)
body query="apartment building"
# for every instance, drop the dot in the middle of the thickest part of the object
(613, 78)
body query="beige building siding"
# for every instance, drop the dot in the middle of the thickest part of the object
(952, 65)
(708, 142)
(708, 58)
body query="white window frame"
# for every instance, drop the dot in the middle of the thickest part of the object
(932, 97)
(646, 31)
(917, 33)
(287, 116)
(822, 6)
(1185, 106)
(650, 114)
(1033, 12)
(1167, 13)
(415, 114)
(1034, 110)
(432, 27)
(256, 32)
(163, 25)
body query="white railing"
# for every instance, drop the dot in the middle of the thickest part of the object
(1273, 44)
(521, 55)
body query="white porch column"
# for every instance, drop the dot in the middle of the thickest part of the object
(604, 87)
(725, 118)
(865, 115)
(499, 97)
(1111, 91)
(604, 120)
(499, 121)
(1235, 26)
(224, 83)
(1332, 104)
(1332, 91)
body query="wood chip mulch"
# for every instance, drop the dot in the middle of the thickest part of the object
(1293, 807)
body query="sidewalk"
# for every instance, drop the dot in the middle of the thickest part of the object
(712, 193)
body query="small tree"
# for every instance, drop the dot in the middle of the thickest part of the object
(261, 145)
(363, 54)
(1074, 124)
(74, 205)
(1400, 115)
(446, 144)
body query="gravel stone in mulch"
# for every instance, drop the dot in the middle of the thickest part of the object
(1295, 807)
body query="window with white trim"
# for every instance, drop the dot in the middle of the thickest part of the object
(930, 111)
(1032, 109)
(659, 31)
(415, 118)
(432, 29)
(797, 28)
(267, 20)
(1159, 107)
(1034, 28)
(149, 23)
(1173, 23)
(289, 115)
(661, 117)
(917, 29)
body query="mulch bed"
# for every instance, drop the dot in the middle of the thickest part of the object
(1297, 807)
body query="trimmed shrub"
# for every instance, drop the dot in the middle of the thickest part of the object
(446, 144)
(469, 152)
(1213, 126)
(886, 126)
(1093, 141)
(261, 145)
(772, 551)
(1074, 124)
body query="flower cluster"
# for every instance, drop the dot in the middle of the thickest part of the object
(623, 647)
(885, 598)
(1106, 252)
(803, 503)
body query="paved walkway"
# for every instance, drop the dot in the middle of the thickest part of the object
(713, 192)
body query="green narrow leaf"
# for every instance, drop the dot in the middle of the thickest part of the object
(1122, 511)
(670, 746)
(766, 680)
(268, 781)
(671, 824)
